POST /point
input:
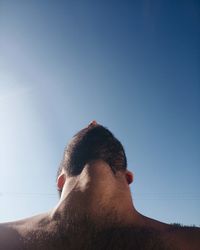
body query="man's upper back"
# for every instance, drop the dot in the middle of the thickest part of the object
(40, 233)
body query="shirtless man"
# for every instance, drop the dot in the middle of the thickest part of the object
(95, 210)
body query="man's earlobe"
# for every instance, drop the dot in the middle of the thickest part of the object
(129, 177)
(61, 181)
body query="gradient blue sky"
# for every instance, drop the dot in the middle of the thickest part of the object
(131, 65)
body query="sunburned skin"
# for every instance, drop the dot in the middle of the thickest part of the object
(95, 211)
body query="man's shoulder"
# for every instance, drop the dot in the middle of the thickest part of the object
(175, 235)
(13, 235)
(9, 237)
(185, 237)
(26, 223)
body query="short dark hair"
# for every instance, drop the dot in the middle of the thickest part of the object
(93, 143)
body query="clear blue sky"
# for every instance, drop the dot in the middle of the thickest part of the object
(131, 65)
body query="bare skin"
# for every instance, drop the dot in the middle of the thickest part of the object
(106, 200)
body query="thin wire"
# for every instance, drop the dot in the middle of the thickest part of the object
(136, 196)
(25, 194)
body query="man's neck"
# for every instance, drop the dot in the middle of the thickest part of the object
(99, 193)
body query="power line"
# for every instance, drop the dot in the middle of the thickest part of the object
(26, 194)
(136, 196)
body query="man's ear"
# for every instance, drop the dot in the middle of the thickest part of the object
(61, 181)
(129, 176)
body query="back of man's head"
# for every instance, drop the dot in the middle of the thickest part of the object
(94, 142)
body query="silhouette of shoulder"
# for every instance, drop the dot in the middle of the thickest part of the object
(184, 237)
(40, 233)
